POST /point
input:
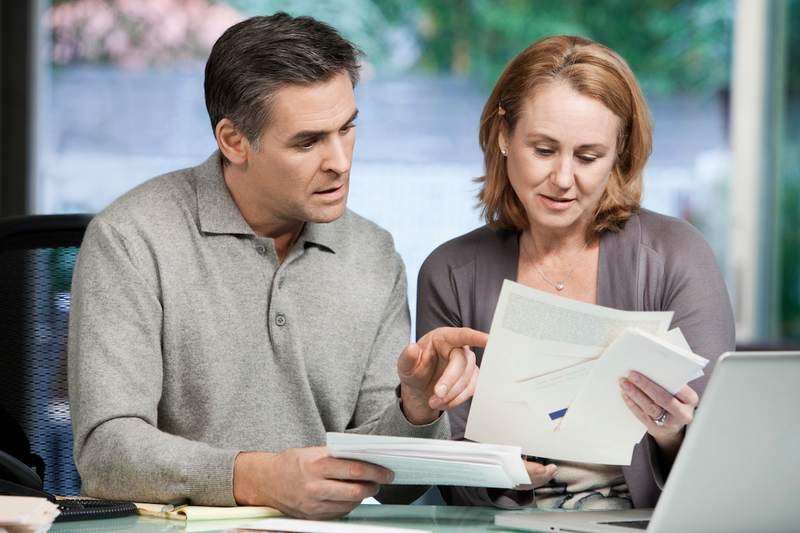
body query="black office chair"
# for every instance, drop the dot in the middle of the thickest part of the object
(37, 256)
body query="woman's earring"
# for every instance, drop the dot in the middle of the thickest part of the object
(504, 152)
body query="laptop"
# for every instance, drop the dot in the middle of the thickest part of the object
(737, 470)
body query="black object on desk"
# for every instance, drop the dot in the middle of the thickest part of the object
(17, 479)
(81, 509)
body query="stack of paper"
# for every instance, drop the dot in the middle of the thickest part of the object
(22, 514)
(550, 374)
(434, 462)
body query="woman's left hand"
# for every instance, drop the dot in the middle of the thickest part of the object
(664, 415)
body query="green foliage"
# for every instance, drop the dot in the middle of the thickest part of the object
(789, 254)
(789, 240)
(364, 22)
(793, 46)
(672, 45)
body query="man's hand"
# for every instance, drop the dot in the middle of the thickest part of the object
(305, 482)
(438, 372)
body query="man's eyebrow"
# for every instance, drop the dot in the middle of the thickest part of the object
(308, 135)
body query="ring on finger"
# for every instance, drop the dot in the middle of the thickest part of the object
(661, 419)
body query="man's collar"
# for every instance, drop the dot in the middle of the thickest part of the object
(216, 210)
(219, 214)
(326, 236)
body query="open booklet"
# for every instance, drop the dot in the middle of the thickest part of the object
(550, 372)
(434, 462)
(204, 513)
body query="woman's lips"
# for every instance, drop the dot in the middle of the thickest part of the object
(556, 204)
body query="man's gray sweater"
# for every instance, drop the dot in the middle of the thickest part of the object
(190, 342)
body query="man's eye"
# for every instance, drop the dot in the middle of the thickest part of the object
(347, 128)
(306, 145)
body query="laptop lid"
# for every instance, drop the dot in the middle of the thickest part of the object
(738, 467)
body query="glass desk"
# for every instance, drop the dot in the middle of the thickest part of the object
(436, 518)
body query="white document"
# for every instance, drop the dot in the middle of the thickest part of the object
(534, 335)
(24, 514)
(676, 338)
(550, 394)
(434, 462)
(599, 408)
(278, 525)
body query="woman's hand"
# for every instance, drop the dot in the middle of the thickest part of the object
(540, 474)
(665, 416)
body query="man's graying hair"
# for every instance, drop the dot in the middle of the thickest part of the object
(258, 56)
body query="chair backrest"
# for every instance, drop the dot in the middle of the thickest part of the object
(37, 256)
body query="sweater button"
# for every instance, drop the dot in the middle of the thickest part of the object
(280, 319)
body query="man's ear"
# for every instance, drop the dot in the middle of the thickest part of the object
(232, 143)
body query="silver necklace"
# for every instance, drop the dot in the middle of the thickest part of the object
(558, 285)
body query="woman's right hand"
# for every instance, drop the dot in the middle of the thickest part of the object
(540, 474)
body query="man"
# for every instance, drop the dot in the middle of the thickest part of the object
(226, 316)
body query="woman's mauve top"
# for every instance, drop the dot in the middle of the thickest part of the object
(655, 263)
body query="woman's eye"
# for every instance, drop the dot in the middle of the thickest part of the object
(587, 158)
(544, 151)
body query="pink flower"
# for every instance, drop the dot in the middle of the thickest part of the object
(216, 20)
(117, 44)
(135, 33)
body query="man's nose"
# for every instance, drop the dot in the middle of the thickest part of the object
(338, 156)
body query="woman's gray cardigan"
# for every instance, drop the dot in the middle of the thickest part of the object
(655, 263)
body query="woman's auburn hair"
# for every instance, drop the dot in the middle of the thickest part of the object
(592, 70)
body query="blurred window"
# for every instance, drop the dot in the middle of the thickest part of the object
(122, 99)
(789, 186)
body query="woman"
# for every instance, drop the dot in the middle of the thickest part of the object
(565, 136)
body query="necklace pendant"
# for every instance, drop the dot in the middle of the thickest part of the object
(560, 286)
